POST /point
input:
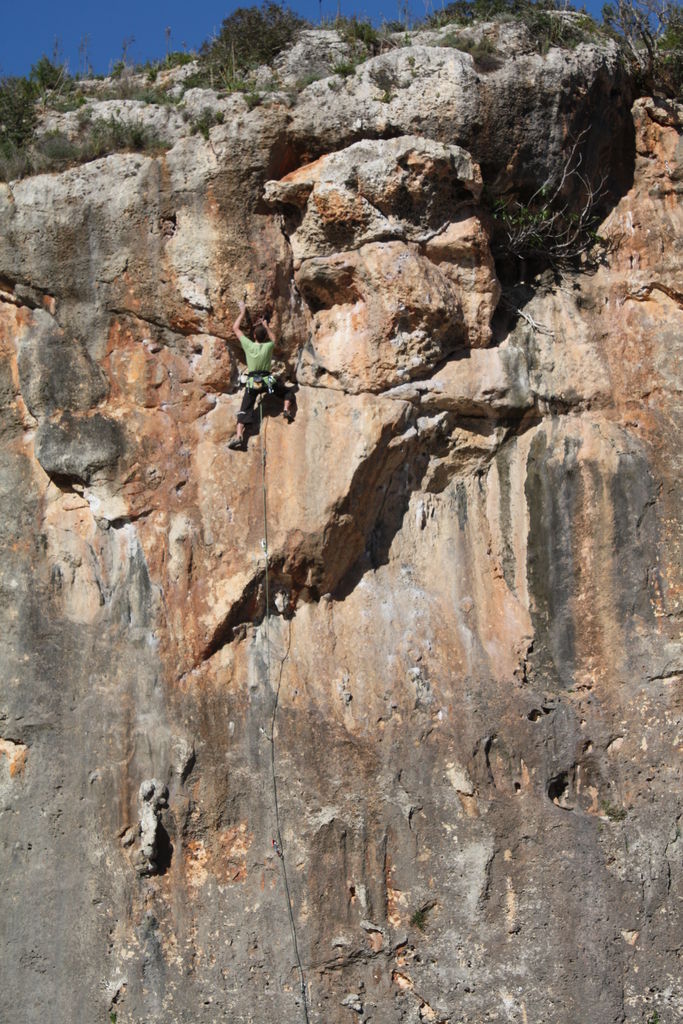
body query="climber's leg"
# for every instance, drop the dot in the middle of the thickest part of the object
(288, 395)
(244, 417)
(238, 442)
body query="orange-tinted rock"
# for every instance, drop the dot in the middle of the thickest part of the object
(380, 315)
(392, 262)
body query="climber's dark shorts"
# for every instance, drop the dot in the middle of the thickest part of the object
(246, 413)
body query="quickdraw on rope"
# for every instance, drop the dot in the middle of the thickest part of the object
(278, 845)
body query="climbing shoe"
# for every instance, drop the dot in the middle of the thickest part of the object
(238, 444)
(289, 415)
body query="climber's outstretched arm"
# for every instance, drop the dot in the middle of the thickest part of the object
(237, 326)
(269, 329)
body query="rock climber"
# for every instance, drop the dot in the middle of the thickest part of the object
(259, 356)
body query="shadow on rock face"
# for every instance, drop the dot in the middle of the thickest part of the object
(164, 850)
(75, 447)
(56, 372)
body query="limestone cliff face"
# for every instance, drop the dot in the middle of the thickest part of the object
(467, 688)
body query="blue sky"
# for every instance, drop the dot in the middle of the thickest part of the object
(31, 29)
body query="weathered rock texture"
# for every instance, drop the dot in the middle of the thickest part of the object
(467, 688)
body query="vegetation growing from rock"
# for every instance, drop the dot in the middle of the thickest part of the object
(652, 31)
(17, 112)
(482, 51)
(54, 151)
(557, 225)
(613, 811)
(547, 25)
(418, 918)
(359, 33)
(249, 37)
(205, 122)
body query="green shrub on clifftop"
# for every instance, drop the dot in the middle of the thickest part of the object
(48, 76)
(17, 111)
(359, 34)
(249, 37)
(17, 125)
(547, 25)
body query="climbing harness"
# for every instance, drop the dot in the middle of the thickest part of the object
(258, 381)
(278, 845)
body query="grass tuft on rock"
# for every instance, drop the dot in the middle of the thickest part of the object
(56, 152)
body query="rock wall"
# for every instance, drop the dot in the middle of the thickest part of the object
(454, 703)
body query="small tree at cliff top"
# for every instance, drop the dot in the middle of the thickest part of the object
(17, 112)
(653, 33)
(251, 36)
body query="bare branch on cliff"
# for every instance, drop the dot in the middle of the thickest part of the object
(552, 226)
(644, 293)
(652, 31)
(535, 326)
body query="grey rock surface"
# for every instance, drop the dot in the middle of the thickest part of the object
(56, 373)
(153, 853)
(77, 447)
(513, 120)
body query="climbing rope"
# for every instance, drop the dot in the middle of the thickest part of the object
(278, 844)
(265, 536)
